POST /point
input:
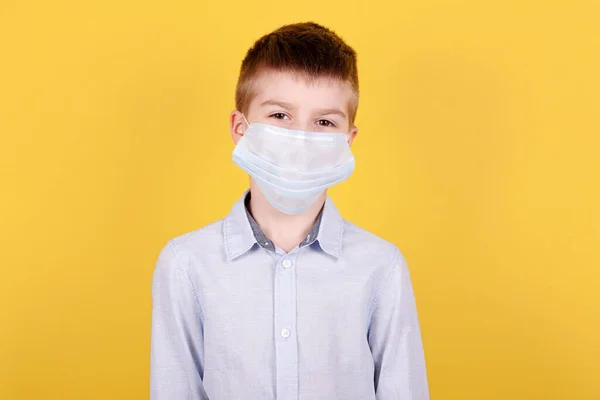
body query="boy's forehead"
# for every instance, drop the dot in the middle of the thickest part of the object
(300, 90)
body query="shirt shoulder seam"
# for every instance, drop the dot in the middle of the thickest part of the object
(175, 251)
(384, 278)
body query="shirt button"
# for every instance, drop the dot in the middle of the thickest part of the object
(286, 264)
(285, 333)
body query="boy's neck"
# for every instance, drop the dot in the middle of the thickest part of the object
(284, 230)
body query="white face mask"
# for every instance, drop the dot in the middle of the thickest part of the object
(293, 168)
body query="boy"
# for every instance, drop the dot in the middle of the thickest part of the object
(283, 299)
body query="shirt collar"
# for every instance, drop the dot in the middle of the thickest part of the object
(237, 233)
(240, 233)
(263, 241)
(331, 229)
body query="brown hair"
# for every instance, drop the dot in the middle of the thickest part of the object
(306, 48)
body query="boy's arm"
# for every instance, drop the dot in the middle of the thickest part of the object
(177, 356)
(395, 338)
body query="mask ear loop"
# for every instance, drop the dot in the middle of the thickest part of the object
(347, 138)
(245, 120)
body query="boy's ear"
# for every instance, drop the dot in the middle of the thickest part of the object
(237, 125)
(352, 135)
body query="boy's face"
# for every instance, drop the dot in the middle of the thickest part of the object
(291, 101)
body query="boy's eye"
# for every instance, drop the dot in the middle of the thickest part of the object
(278, 116)
(324, 122)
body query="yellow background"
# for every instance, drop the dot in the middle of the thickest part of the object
(477, 155)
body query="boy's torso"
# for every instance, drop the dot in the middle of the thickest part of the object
(286, 325)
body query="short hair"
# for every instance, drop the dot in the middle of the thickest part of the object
(306, 48)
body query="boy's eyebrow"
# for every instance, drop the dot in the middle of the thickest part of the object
(290, 106)
(329, 111)
(278, 103)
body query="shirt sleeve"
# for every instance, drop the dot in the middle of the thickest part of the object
(176, 358)
(395, 338)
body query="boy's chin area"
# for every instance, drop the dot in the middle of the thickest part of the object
(260, 204)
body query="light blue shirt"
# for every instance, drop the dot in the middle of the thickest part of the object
(334, 319)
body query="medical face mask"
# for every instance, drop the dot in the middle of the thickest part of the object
(292, 168)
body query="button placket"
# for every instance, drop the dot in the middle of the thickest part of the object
(286, 348)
